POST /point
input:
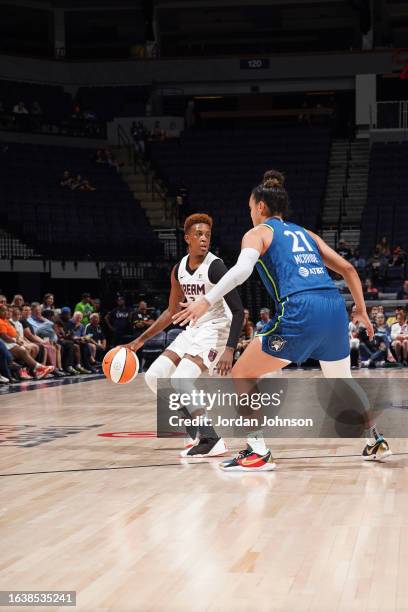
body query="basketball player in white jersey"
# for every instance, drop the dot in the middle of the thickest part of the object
(207, 346)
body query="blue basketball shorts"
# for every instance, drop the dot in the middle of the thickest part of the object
(310, 324)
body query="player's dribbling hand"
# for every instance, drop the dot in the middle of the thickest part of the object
(135, 345)
(191, 311)
(361, 316)
(224, 364)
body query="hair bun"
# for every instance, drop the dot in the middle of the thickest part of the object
(273, 178)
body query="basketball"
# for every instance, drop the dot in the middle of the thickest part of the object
(120, 365)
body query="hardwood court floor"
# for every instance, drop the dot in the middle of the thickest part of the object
(130, 526)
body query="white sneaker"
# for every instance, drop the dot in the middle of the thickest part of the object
(3, 379)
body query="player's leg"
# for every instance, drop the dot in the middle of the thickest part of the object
(252, 365)
(210, 444)
(377, 448)
(164, 367)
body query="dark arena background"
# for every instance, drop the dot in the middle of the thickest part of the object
(118, 120)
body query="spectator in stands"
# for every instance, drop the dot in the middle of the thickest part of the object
(20, 109)
(382, 341)
(77, 182)
(138, 133)
(86, 347)
(377, 264)
(397, 258)
(399, 337)
(247, 334)
(96, 303)
(86, 307)
(384, 246)
(18, 301)
(65, 332)
(118, 321)
(8, 334)
(66, 179)
(393, 318)
(94, 331)
(141, 319)
(264, 318)
(99, 157)
(48, 302)
(45, 330)
(30, 335)
(370, 292)
(3, 300)
(31, 347)
(354, 342)
(48, 330)
(372, 313)
(343, 249)
(86, 186)
(403, 292)
(358, 262)
(6, 358)
(111, 160)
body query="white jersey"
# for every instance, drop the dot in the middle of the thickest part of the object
(197, 285)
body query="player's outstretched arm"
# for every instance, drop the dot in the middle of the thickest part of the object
(252, 246)
(336, 262)
(165, 319)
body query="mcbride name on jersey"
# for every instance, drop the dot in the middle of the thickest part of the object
(196, 283)
(292, 263)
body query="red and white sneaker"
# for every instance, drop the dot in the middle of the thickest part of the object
(206, 447)
(249, 461)
(43, 371)
(24, 375)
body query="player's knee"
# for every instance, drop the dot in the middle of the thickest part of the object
(163, 367)
(184, 376)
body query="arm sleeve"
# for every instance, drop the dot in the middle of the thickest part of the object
(237, 275)
(215, 273)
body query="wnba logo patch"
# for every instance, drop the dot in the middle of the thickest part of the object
(212, 354)
(276, 343)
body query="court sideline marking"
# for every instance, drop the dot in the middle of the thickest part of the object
(135, 467)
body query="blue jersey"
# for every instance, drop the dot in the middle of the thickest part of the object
(292, 263)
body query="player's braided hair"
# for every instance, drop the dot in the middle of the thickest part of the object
(273, 193)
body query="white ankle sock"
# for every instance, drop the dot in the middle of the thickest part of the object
(257, 443)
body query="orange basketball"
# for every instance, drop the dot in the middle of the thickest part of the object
(120, 365)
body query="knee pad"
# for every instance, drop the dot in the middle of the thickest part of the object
(162, 367)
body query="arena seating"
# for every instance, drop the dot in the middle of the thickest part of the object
(220, 167)
(53, 100)
(110, 102)
(386, 212)
(60, 223)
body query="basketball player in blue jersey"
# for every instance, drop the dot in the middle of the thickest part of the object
(311, 319)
